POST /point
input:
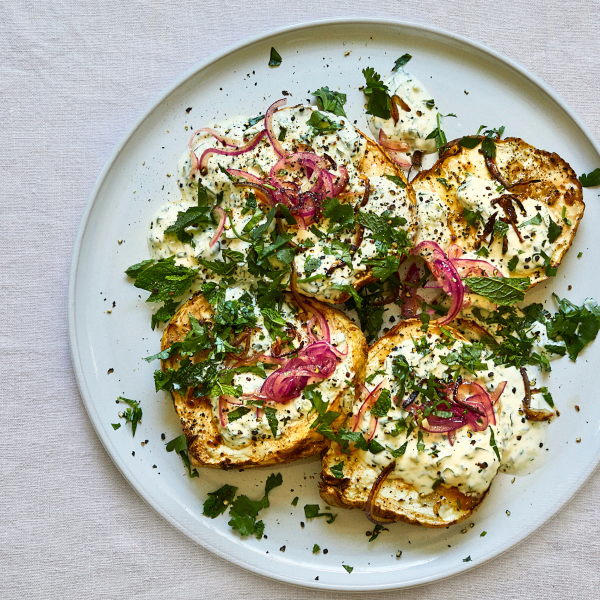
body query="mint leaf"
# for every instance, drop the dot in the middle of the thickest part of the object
(196, 215)
(537, 220)
(383, 404)
(179, 445)
(165, 280)
(134, 270)
(501, 290)
(271, 415)
(311, 265)
(238, 413)
(164, 313)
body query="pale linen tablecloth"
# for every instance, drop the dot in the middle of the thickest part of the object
(73, 77)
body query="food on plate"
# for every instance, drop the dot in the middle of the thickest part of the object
(296, 188)
(431, 427)
(499, 207)
(248, 380)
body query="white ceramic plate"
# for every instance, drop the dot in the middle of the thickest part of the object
(135, 182)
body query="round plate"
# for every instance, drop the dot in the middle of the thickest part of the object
(109, 320)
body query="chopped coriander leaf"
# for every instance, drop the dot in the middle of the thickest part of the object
(132, 415)
(438, 133)
(348, 568)
(219, 267)
(396, 180)
(282, 132)
(468, 357)
(554, 231)
(396, 453)
(420, 443)
(322, 124)
(331, 101)
(295, 501)
(165, 280)
(468, 559)
(274, 58)
(483, 534)
(116, 426)
(311, 511)
(164, 313)
(376, 531)
(400, 62)
(338, 470)
(316, 548)
(218, 502)
(346, 287)
(430, 103)
(512, 263)
(379, 104)
(565, 220)
(483, 251)
(271, 414)
(580, 255)
(500, 229)
(591, 179)
(501, 290)
(179, 444)
(444, 182)
(424, 317)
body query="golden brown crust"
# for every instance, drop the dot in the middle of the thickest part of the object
(516, 161)
(201, 427)
(397, 500)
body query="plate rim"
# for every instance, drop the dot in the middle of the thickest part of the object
(127, 472)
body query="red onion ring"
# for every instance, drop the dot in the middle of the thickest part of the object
(215, 134)
(369, 402)
(375, 491)
(247, 147)
(447, 276)
(385, 141)
(221, 225)
(269, 126)
(468, 266)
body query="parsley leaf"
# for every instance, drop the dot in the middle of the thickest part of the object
(469, 142)
(340, 216)
(591, 179)
(218, 502)
(379, 104)
(322, 124)
(132, 415)
(548, 268)
(553, 231)
(274, 58)
(338, 470)
(472, 217)
(400, 62)
(311, 265)
(179, 444)
(311, 511)
(501, 290)
(396, 180)
(512, 263)
(165, 280)
(493, 443)
(243, 511)
(331, 101)
(376, 531)
(576, 325)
